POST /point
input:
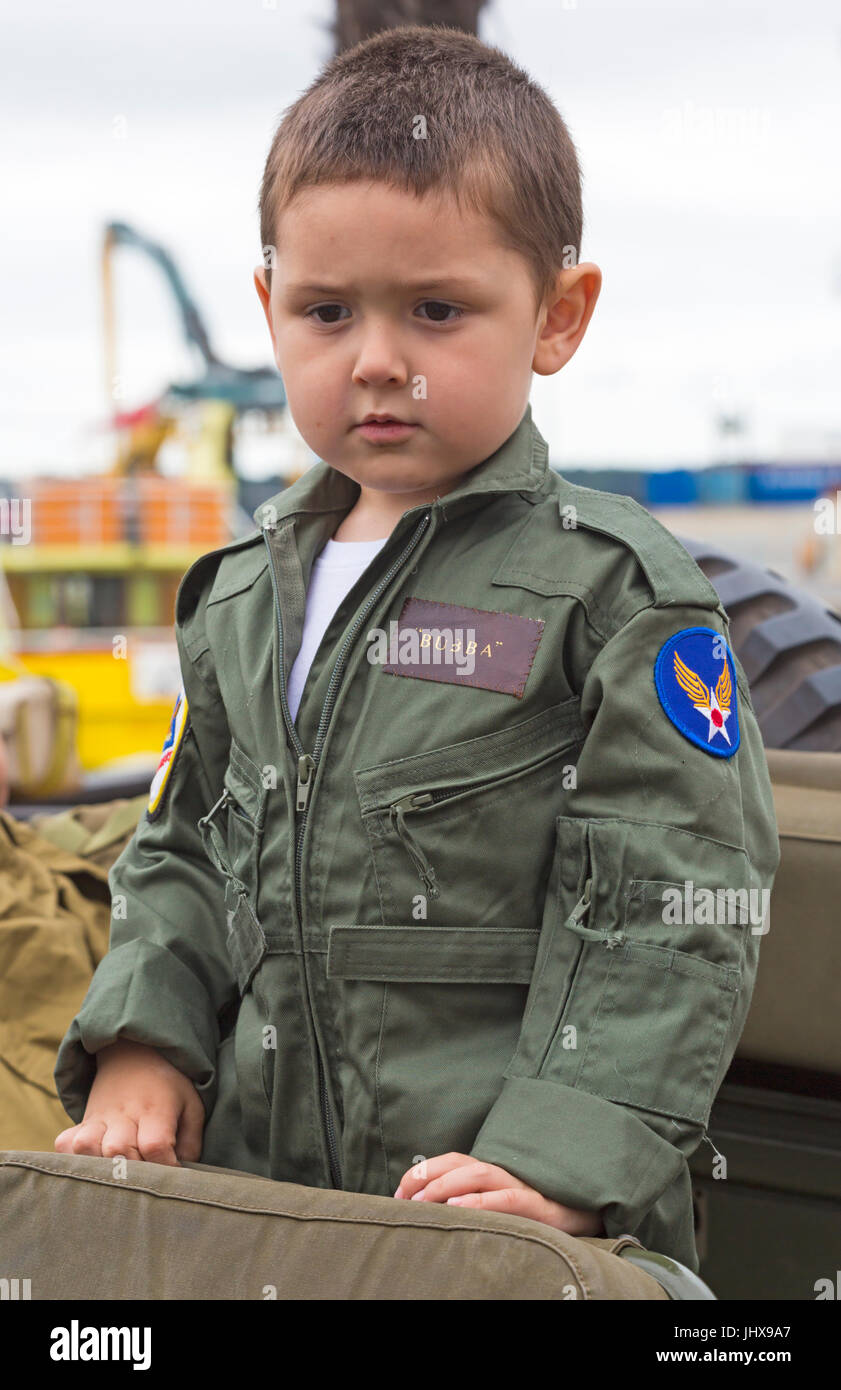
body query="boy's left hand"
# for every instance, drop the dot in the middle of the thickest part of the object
(460, 1180)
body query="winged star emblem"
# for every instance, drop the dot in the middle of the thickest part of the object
(714, 705)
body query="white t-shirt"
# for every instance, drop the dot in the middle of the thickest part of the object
(334, 573)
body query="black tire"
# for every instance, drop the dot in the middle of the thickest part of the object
(789, 645)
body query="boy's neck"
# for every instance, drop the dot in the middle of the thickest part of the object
(375, 514)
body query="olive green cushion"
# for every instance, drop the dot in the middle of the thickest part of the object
(793, 1017)
(76, 1230)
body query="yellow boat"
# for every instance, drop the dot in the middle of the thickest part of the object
(93, 594)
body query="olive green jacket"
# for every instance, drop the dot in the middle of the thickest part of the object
(428, 915)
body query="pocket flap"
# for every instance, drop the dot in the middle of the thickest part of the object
(474, 761)
(433, 955)
(639, 870)
(246, 939)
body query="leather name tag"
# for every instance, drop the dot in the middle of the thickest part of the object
(463, 646)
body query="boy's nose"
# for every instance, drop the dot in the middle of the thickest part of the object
(380, 360)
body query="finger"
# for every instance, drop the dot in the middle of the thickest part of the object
(156, 1140)
(190, 1129)
(516, 1201)
(84, 1138)
(120, 1139)
(525, 1201)
(421, 1173)
(472, 1176)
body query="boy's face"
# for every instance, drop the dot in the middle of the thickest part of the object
(383, 303)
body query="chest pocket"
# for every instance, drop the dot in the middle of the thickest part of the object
(463, 835)
(232, 834)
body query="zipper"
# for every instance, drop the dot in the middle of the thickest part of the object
(419, 801)
(562, 1010)
(582, 908)
(214, 845)
(416, 801)
(240, 812)
(308, 765)
(580, 911)
(426, 873)
(573, 923)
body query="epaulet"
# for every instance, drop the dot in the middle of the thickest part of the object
(671, 572)
(220, 572)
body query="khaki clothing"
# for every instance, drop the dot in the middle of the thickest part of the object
(54, 920)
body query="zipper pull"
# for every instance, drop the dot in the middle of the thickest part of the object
(582, 907)
(214, 842)
(306, 767)
(580, 911)
(223, 801)
(426, 873)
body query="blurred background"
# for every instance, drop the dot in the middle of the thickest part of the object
(143, 418)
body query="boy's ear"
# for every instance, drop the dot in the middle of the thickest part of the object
(265, 295)
(565, 315)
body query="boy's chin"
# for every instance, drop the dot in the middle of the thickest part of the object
(395, 486)
(390, 475)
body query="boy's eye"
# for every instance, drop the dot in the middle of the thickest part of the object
(331, 312)
(439, 310)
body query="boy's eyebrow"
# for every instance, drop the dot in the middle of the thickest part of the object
(451, 282)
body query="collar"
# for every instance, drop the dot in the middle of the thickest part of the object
(520, 464)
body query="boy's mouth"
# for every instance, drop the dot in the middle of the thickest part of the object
(385, 429)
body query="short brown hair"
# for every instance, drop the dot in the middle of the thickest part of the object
(494, 139)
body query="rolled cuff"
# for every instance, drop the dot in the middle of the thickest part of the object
(588, 1152)
(143, 993)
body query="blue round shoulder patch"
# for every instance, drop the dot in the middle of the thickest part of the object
(695, 678)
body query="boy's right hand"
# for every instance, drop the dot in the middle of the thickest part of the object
(140, 1106)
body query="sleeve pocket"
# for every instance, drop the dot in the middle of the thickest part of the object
(633, 1006)
(651, 1028)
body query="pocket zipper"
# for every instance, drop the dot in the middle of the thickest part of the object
(216, 845)
(573, 922)
(419, 801)
(426, 873)
(240, 812)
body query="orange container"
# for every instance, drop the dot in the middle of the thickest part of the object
(146, 510)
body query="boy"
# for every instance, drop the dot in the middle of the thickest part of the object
(437, 954)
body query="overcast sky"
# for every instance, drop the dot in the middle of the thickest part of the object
(709, 134)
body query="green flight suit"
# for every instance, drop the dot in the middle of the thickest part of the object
(428, 918)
